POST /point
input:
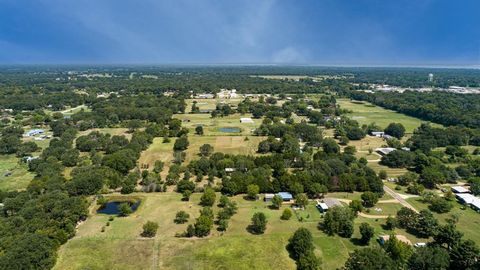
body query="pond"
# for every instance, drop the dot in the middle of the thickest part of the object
(230, 129)
(111, 208)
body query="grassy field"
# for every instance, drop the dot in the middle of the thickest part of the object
(210, 104)
(121, 247)
(211, 125)
(20, 177)
(366, 113)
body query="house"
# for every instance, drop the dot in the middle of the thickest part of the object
(205, 96)
(286, 196)
(268, 197)
(377, 133)
(384, 238)
(385, 150)
(229, 170)
(246, 120)
(460, 189)
(29, 158)
(420, 244)
(34, 132)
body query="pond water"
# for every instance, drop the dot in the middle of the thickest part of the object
(111, 208)
(229, 129)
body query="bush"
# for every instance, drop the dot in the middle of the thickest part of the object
(181, 217)
(259, 223)
(287, 214)
(150, 229)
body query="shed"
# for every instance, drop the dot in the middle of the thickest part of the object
(34, 132)
(268, 197)
(229, 170)
(465, 198)
(460, 189)
(286, 196)
(377, 133)
(385, 150)
(246, 120)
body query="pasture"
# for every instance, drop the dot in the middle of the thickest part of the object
(366, 113)
(120, 246)
(211, 126)
(20, 176)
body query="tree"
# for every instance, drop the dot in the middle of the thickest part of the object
(399, 251)
(301, 200)
(308, 261)
(181, 217)
(369, 259)
(356, 206)
(430, 257)
(406, 218)
(426, 224)
(158, 166)
(208, 197)
(199, 130)
(124, 209)
(369, 198)
(396, 130)
(447, 235)
(475, 185)
(440, 205)
(223, 225)
(366, 231)
(252, 191)
(300, 243)
(339, 220)
(259, 223)
(286, 214)
(391, 223)
(150, 229)
(203, 225)
(330, 146)
(277, 201)
(465, 255)
(186, 195)
(181, 144)
(206, 150)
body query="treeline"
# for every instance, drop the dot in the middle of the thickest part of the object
(439, 107)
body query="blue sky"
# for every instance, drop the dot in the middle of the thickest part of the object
(325, 32)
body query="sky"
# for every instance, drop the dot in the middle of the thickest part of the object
(310, 32)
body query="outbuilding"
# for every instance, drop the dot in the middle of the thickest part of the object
(460, 189)
(377, 133)
(268, 197)
(385, 150)
(322, 207)
(246, 120)
(286, 196)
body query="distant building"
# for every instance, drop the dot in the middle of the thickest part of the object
(246, 120)
(322, 207)
(388, 137)
(34, 132)
(229, 170)
(385, 150)
(268, 197)
(205, 96)
(377, 133)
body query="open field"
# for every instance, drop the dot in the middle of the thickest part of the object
(211, 103)
(366, 113)
(121, 247)
(211, 125)
(225, 144)
(20, 177)
(111, 131)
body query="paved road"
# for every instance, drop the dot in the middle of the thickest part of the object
(398, 198)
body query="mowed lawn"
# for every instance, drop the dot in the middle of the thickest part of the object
(121, 247)
(20, 176)
(366, 113)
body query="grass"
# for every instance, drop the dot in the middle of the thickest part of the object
(211, 125)
(468, 219)
(211, 104)
(20, 177)
(121, 247)
(366, 113)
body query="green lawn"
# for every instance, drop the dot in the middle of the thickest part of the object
(211, 125)
(20, 177)
(366, 113)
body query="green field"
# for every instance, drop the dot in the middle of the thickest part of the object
(211, 125)
(20, 177)
(121, 247)
(366, 113)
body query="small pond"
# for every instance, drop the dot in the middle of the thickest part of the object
(111, 208)
(230, 129)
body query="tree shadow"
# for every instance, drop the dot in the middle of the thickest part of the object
(357, 242)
